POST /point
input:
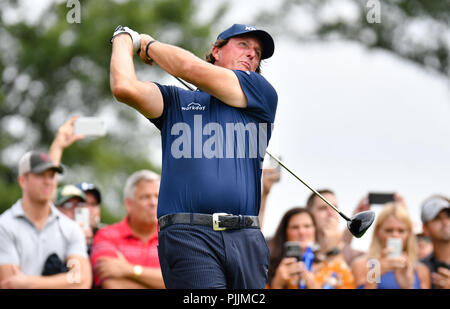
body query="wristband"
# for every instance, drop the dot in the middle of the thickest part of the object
(146, 49)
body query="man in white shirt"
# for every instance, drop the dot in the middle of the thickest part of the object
(33, 229)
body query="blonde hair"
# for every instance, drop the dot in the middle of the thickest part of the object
(400, 212)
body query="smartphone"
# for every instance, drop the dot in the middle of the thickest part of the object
(89, 126)
(397, 246)
(293, 249)
(380, 198)
(82, 216)
(442, 264)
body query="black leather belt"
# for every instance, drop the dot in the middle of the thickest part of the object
(218, 221)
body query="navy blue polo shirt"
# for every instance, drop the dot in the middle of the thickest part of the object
(212, 153)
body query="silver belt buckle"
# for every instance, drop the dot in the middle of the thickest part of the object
(216, 221)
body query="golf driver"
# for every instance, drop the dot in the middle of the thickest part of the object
(357, 225)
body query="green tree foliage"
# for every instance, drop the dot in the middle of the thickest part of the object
(416, 30)
(52, 69)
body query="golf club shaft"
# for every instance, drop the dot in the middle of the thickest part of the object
(286, 168)
(314, 191)
(184, 83)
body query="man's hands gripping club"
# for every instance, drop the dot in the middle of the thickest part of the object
(217, 80)
(140, 42)
(135, 37)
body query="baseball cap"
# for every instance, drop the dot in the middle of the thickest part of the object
(67, 192)
(36, 163)
(432, 207)
(268, 46)
(90, 187)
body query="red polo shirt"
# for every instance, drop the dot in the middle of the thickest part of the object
(119, 237)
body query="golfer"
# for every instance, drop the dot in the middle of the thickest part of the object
(213, 145)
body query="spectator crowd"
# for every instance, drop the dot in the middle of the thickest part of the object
(52, 237)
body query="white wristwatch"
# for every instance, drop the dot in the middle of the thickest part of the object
(137, 271)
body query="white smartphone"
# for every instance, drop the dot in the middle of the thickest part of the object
(397, 246)
(82, 216)
(89, 126)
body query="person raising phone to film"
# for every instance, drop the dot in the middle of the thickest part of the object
(291, 266)
(392, 261)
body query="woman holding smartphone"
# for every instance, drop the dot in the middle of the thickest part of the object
(293, 271)
(297, 225)
(392, 259)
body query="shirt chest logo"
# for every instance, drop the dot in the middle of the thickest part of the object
(194, 106)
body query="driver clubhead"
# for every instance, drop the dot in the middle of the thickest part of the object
(360, 222)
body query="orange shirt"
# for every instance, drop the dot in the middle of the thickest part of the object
(334, 274)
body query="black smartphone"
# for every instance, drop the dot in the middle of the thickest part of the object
(380, 198)
(293, 249)
(441, 264)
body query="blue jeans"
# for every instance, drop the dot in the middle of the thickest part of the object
(197, 257)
